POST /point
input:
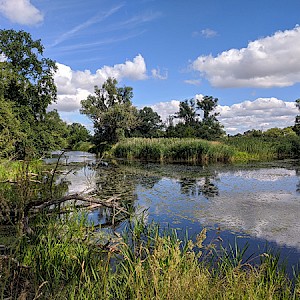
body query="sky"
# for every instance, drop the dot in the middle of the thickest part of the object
(245, 53)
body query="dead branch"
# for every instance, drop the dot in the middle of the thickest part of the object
(37, 206)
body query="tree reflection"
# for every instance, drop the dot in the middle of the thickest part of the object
(197, 187)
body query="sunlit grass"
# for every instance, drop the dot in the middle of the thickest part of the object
(63, 261)
(12, 169)
(173, 150)
(191, 150)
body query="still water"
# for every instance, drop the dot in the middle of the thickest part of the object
(254, 203)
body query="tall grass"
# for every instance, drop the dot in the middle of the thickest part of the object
(63, 261)
(264, 148)
(173, 150)
(190, 150)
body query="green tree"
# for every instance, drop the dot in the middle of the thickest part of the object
(150, 123)
(10, 129)
(297, 119)
(111, 111)
(210, 127)
(27, 83)
(208, 104)
(187, 112)
(31, 82)
(192, 126)
(77, 133)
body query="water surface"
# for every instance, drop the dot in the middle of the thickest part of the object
(258, 202)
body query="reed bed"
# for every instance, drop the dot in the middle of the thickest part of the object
(264, 148)
(65, 259)
(171, 150)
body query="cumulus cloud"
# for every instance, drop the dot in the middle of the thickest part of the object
(267, 62)
(262, 113)
(165, 109)
(74, 86)
(21, 11)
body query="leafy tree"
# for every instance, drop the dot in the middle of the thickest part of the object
(208, 104)
(31, 81)
(297, 119)
(192, 126)
(111, 111)
(77, 133)
(279, 132)
(210, 128)
(187, 112)
(46, 135)
(150, 123)
(10, 129)
(27, 83)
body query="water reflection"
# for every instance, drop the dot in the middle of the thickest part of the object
(260, 200)
(197, 187)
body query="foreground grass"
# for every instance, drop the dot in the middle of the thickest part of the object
(64, 259)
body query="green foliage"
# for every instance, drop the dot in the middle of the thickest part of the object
(10, 129)
(111, 111)
(31, 82)
(208, 128)
(296, 127)
(149, 124)
(83, 146)
(22, 183)
(265, 147)
(187, 112)
(27, 88)
(77, 134)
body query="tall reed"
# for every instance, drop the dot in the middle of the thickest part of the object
(173, 150)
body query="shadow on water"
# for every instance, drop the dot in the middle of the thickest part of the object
(256, 203)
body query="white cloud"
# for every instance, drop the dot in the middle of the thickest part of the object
(207, 33)
(86, 24)
(263, 113)
(21, 11)
(157, 75)
(165, 109)
(74, 86)
(272, 61)
(195, 82)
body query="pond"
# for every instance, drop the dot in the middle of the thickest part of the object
(257, 203)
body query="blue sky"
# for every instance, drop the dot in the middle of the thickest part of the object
(245, 53)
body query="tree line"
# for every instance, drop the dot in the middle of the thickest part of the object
(27, 89)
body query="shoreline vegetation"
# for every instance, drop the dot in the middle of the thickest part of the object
(192, 150)
(66, 258)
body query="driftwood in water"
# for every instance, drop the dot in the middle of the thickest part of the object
(89, 202)
(92, 202)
